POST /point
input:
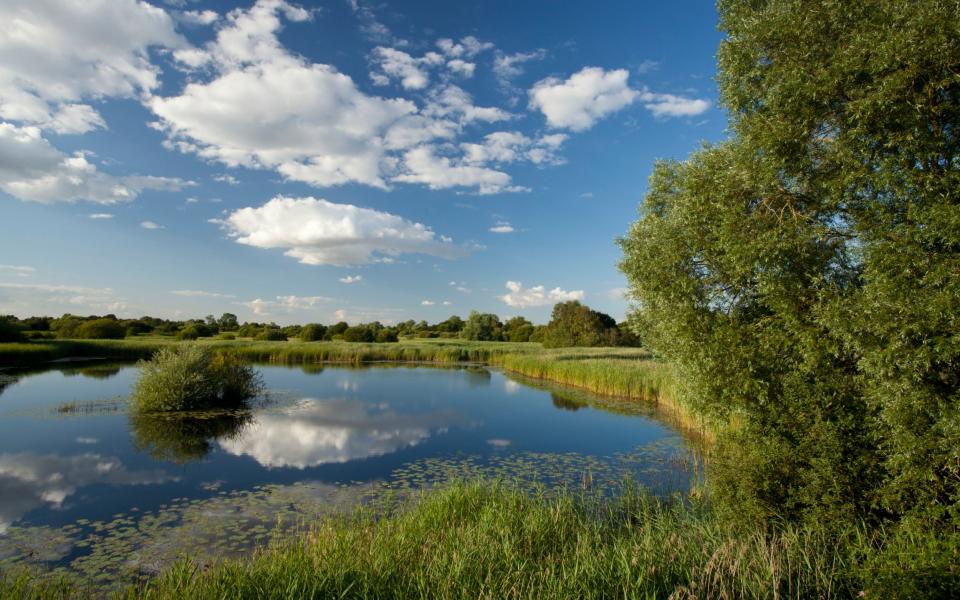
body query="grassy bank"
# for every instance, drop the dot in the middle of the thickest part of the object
(484, 540)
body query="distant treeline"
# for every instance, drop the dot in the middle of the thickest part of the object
(571, 324)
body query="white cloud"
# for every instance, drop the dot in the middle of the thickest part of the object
(151, 225)
(537, 295)
(461, 67)
(586, 195)
(586, 97)
(511, 146)
(18, 270)
(100, 216)
(55, 53)
(267, 108)
(351, 279)
(199, 294)
(226, 178)
(42, 298)
(397, 64)
(286, 304)
(198, 17)
(468, 47)
(422, 165)
(447, 303)
(669, 105)
(31, 169)
(502, 227)
(451, 101)
(427, 302)
(507, 66)
(318, 232)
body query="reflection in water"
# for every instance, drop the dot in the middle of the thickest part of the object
(94, 372)
(477, 376)
(315, 432)
(185, 437)
(29, 480)
(565, 403)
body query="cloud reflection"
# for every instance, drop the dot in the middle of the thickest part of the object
(29, 480)
(315, 432)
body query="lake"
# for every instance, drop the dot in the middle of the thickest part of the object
(90, 490)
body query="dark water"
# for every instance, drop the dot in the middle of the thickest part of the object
(87, 487)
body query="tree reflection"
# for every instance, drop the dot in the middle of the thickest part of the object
(566, 403)
(187, 436)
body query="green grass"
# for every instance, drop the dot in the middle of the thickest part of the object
(487, 540)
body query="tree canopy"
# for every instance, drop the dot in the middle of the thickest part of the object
(805, 274)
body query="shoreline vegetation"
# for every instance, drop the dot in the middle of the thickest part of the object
(627, 373)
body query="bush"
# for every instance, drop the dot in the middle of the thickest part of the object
(360, 333)
(313, 332)
(271, 334)
(387, 336)
(189, 377)
(227, 335)
(190, 332)
(101, 329)
(10, 332)
(482, 327)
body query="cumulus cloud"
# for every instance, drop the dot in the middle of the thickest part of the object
(319, 232)
(267, 108)
(537, 295)
(422, 165)
(586, 97)
(198, 17)
(56, 53)
(151, 225)
(351, 279)
(100, 216)
(31, 169)
(502, 227)
(467, 47)
(669, 105)
(511, 146)
(396, 64)
(427, 302)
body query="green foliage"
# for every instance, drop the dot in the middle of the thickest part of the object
(387, 335)
(271, 334)
(337, 329)
(517, 329)
(574, 324)
(101, 329)
(192, 331)
(10, 331)
(359, 333)
(804, 275)
(191, 377)
(228, 322)
(483, 327)
(314, 332)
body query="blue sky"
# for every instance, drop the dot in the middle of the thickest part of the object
(339, 160)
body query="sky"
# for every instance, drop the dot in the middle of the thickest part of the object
(337, 160)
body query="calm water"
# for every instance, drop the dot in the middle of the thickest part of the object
(87, 488)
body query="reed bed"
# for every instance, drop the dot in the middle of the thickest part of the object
(487, 540)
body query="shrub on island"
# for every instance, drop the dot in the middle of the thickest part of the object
(189, 377)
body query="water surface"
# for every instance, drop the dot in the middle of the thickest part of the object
(88, 488)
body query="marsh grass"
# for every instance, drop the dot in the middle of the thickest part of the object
(486, 539)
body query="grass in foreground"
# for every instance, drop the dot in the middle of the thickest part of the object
(483, 540)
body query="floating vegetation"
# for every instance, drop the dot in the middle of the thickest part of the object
(134, 546)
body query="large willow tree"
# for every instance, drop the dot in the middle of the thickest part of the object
(805, 274)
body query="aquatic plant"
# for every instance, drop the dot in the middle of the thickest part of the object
(191, 377)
